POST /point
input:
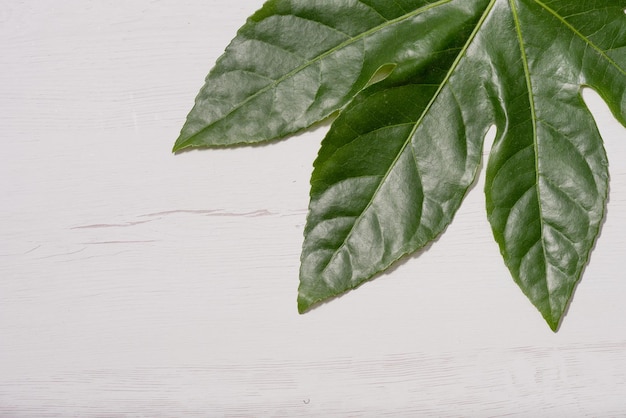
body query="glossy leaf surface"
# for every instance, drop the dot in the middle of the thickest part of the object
(296, 62)
(402, 153)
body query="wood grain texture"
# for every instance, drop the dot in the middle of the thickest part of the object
(138, 283)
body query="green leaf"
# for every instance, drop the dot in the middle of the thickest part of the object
(295, 63)
(386, 184)
(547, 173)
(404, 150)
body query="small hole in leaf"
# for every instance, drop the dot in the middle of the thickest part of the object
(382, 73)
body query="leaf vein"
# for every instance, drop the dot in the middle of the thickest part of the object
(359, 135)
(373, 9)
(581, 36)
(280, 47)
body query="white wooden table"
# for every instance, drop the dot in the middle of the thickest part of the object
(135, 282)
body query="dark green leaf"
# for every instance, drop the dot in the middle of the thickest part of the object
(398, 160)
(547, 173)
(296, 62)
(388, 183)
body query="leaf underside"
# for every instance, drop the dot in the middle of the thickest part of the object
(399, 158)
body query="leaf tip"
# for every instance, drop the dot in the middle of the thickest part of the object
(554, 325)
(303, 305)
(553, 321)
(179, 145)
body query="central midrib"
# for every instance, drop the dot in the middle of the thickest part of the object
(533, 117)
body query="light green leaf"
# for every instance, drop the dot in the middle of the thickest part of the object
(402, 153)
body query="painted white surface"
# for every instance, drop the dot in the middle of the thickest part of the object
(138, 283)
